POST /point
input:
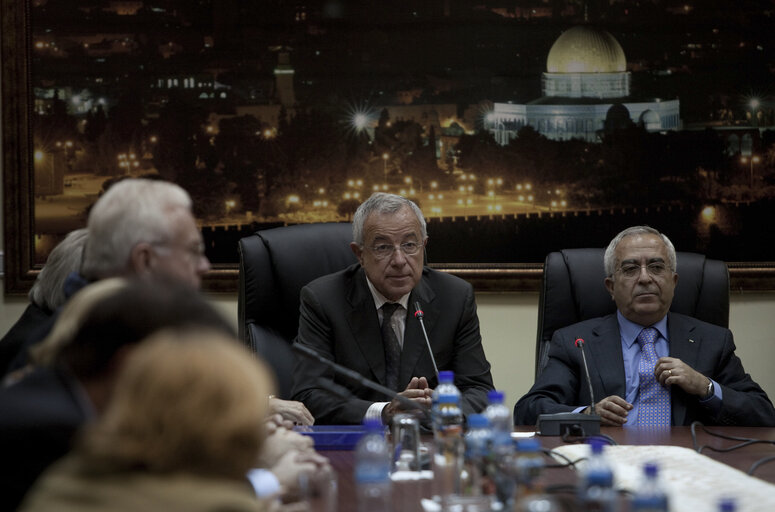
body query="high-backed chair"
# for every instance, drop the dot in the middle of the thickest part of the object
(572, 290)
(274, 266)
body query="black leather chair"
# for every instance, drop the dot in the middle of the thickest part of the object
(274, 266)
(572, 290)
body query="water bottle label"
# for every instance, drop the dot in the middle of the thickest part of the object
(372, 474)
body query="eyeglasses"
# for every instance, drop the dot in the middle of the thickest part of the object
(382, 251)
(194, 250)
(632, 271)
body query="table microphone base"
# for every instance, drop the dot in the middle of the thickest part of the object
(568, 423)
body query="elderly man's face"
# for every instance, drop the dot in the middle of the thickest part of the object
(390, 269)
(643, 283)
(182, 257)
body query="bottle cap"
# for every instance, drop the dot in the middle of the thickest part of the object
(596, 445)
(650, 469)
(447, 377)
(727, 505)
(495, 397)
(477, 421)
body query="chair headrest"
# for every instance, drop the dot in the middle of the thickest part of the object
(573, 289)
(276, 263)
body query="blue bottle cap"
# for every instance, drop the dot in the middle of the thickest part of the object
(650, 469)
(596, 445)
(447, 376)
(495, 397)
(477, 421)
(727, 505)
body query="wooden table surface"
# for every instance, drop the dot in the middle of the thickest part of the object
(742, 459)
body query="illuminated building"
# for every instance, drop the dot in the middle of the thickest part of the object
(586, 90)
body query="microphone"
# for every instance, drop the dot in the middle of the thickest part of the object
(354, 376)
(580, 344)
(572, 423)
(418, 314)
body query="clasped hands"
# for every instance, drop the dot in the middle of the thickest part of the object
(669, 371)
(417, 391)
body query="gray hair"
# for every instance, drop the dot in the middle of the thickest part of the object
(608, 259)
(48, 290)
(130, 212)
(383, 203)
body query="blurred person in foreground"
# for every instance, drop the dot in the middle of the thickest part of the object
(653, 367)
(46, 296)
(78, 365)
(184, 426)
(145, 229)
(363, 318)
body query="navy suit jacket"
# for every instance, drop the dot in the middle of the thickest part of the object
(339, 320)
(707, 348)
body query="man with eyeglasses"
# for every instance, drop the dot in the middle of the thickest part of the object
(659, 368)
(364, 319)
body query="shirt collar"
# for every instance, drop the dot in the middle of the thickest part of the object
(380, 299)
(630, 330)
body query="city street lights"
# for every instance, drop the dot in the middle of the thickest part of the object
(754, 104)
(385, 157)
(754, 159)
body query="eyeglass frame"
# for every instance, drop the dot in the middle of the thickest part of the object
(402, 246)
(658, 264)
(196, 253)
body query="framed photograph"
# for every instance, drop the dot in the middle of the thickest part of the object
(519, 127)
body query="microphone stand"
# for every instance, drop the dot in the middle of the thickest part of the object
(419, 314)
(572, 423)
(354, 376)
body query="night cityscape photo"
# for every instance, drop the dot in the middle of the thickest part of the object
(518, 126)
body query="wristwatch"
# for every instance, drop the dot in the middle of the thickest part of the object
(709, 392)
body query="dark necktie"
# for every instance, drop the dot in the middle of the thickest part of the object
(653, 398)
(390, 343)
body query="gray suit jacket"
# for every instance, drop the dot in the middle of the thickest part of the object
(339, 320)
(707, 348)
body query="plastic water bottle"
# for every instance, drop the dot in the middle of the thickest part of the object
(502, 448)
(528, 467)
(446, 387)
(372, 470)
(500, 417)
(596, 484)
(650, 497)
(475, 479)
(448, 437)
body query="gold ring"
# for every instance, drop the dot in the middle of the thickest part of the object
(670, 373)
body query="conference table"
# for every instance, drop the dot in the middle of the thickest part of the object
(563, 478)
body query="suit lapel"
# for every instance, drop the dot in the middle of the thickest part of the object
(684, 347)
(364, 324)
(414, 350)
(605, 354)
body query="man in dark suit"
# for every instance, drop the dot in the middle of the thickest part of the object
(694, 367)
(343, 319)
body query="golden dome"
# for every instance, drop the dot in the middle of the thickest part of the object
(584, 49)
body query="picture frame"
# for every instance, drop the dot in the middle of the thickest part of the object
(20, 237)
